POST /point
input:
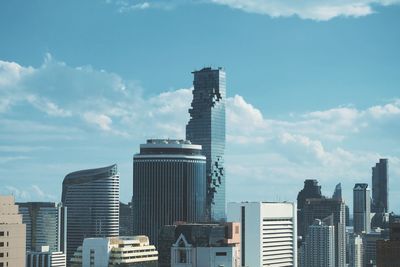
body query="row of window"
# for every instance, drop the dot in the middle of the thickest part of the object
(2, 233)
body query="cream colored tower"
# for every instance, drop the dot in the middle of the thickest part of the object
(12, 234)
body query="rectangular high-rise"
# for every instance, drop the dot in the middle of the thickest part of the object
(268, 233)
(361, 208)
(43, 225)
(380, 181)
(206, 127)
(335, 209)
(318, 248)
(12, 234)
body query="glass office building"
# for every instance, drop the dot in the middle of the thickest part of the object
(168, 185)
(206, 127)
(92, 201)
(43, 225)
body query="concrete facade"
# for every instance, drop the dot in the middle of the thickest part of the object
(12, 234)
(268, 233)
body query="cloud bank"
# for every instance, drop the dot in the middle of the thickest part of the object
(319, 10)
(47, 109)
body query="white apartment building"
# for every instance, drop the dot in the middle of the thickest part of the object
(268, 233)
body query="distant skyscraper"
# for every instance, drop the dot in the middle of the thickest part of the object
(268, 233)
(311, 190)
(337, 194)
(388, 251)
(125, 219)
(356, 255)
(369, 246)
(335, 209)
(92, 201)
(361, 208)
(168, 185)
(318, 248)
(12, 234)
(380, 181)
(43, 225)
(206, 127)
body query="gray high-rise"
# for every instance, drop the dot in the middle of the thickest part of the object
(92, 200)
(361, 208)
(206, 127)
(169, 185)
(43, 225)
(380, 181)
(324, 209)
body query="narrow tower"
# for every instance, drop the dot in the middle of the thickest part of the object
(206, 127)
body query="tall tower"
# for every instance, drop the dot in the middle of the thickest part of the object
(318, 250)
(380, 179)
(361, 208)
(168, 185)
(311, 190)
(206, 127)
(92, 201)
(322, 209)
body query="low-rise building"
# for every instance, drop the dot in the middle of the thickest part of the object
(45, 258)
(116, 251)
(198, 245)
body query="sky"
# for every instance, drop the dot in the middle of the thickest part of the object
(313, 90)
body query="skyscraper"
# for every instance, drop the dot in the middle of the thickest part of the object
(92, 201)
(268, 233)
(311, 190)
(12, 234)
(335, 209)
(206, 127)
(337, 194)
(356, 255)
(43, 225)
(361, 208)
(318, 249)
(168, 185)
(380, 181)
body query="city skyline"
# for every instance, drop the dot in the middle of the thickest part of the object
(61, 112)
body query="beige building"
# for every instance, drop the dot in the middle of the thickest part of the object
(12, 234)
(116, 251)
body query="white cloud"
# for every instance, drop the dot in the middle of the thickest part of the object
(30, 193)
(321, 10)
(67, 103)
(101, 120)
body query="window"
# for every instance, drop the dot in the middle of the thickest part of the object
(182, 256)
(1, 233)
(220, 254)
(1, 264)
(1, 255)
(1, 244)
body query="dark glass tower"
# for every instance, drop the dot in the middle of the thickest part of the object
(311, 190)
(92, 201)
(361, 208)
(380, 203)
(168, 185)
(206, 127)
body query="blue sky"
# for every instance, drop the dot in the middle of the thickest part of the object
(313, 89)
